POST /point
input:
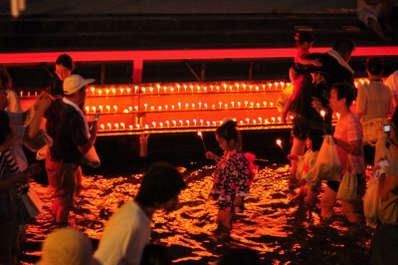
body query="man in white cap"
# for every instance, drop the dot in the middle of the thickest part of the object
(67, 126)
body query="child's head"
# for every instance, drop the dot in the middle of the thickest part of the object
(64, 66)
(228, 136)
(303, 37)
(341, 96)
(374, 66)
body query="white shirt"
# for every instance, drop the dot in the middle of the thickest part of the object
(125, 236)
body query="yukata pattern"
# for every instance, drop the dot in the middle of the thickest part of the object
(232, 177)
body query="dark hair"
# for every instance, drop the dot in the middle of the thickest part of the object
(344, 46)
(5, 129)
(303, 36)
(155, 254)
(5, 79)
(228, 131)
(374, 65)
(161, 182)
(316, 137)
(345, 90)
(65, 60)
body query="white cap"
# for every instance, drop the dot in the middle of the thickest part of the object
(74, 83)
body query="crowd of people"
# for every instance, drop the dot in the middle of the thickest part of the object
(57, 128)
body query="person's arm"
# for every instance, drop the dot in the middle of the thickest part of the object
(387, 184)
(85, 147)
(211, 155)
(354, 147)
(305, 61)
(41, 105)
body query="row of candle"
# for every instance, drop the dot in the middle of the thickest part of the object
(189, 87)
(157, 89)
(179, 106)
(186, 123)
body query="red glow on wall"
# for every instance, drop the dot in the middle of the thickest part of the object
(198, 54)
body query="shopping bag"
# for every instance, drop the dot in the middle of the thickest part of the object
(370, 202)
(348, 188)
(327, 165)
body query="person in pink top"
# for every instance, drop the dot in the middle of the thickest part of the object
(348, 138)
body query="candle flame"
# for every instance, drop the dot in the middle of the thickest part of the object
(279, 143)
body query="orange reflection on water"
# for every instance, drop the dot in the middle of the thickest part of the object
(270, 223)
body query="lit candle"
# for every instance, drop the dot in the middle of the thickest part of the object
(145, 106)
(167, 123)
(102, 126)
(115, 108)
(92, 89)
(123, 125)
(108, 108)
(113, 91)
(323, 113)
(87, 108)
(179, 105)
(109, 125)
(101, 108)
(94, 109)
(107, 91)
(279, 143)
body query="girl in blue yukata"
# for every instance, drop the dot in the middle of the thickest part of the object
(233, 176)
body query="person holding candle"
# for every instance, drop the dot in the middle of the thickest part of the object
(232, 177)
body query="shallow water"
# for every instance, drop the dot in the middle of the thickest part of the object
(270, 224)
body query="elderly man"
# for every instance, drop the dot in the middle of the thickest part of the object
(72, 139)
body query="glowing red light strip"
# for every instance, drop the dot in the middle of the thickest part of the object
(160, 55)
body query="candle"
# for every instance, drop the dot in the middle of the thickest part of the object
(279, 143)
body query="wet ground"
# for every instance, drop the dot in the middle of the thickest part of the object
(271, 224)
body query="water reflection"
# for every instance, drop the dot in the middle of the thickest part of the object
(270, 224)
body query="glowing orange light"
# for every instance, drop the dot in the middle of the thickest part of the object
(279, 143)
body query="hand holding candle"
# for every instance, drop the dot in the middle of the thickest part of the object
(203, 142)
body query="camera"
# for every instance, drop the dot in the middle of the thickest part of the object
(387, 128)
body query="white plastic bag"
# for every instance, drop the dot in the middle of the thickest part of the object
(328, 164)
(370, 201)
